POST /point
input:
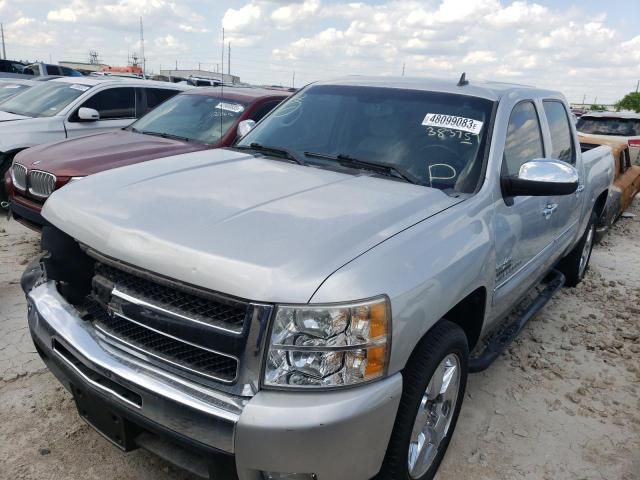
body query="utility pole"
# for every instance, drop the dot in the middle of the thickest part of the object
(229, 60)
(176, 64)
(293, 81)
(4, 52)
(584, 99)
(637, 84)
(144, 60)
(403, 65)
(222, 65)
(199, 68)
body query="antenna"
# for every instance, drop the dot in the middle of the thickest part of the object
(463, 80)
(4, 52)
(144, 60)
(222, 83)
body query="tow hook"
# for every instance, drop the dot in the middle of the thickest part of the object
(4, 205)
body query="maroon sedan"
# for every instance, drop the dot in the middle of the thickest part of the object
(197, 119)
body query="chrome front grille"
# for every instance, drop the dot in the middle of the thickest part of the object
(19, 176)
(41, 184)
(191, 332)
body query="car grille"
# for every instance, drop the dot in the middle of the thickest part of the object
(184, 329)
(19, 176)
(188, 306)
(180, 354)
(41, 184)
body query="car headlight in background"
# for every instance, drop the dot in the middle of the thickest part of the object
(74, 179)
(329, 345)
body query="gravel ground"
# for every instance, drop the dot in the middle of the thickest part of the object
(562, 403)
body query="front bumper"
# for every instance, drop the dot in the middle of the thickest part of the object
(335, 435)
(27, 212)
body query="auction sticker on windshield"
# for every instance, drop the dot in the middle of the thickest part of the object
(451, 121)
(82, 88)
(230, 107)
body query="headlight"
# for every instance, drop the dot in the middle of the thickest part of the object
(74, 179)
(329, 345)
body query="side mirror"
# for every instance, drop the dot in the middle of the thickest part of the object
(542, 177)
(245, 127)
(88, 114)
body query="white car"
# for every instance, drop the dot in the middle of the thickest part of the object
(74, 106)
(624, 126)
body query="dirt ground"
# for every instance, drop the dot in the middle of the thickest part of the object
(562, 403)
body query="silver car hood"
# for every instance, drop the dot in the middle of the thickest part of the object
(8, 117)
(257, 228)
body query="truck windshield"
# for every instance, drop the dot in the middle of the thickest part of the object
(44, 100)
(436, 139)
(200, 118)
(624, 127)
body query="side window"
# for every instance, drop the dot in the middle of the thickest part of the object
(262, 110)
(114, 103)
(53, 70)
(561, 138)
(524, 138)
(155, 96)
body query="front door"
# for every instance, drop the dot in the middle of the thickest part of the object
(567, 214)
(117, 109)
(522, 225)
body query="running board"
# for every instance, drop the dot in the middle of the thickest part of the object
(503, 337)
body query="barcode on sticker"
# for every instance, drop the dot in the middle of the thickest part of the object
(451, 121)
(230, 107)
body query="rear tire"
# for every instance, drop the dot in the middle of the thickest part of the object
(434, 382)
(575, 265)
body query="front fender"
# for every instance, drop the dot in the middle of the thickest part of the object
(425, 270)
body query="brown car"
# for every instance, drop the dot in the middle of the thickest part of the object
(197, 119)
(626, 182)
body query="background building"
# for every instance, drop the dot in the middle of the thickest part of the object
(220, 77)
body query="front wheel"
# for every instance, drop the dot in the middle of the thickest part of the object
(434, 383)
(574, 265)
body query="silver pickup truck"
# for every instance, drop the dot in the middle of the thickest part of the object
(307, 304)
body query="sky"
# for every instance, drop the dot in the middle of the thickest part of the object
(587, 49)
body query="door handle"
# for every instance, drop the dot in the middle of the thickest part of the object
(579, 189)
(549, 209)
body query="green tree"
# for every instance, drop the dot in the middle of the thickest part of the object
(630, 101)
(595, 106)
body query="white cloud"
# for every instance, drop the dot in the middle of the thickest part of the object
(238, 20)
(62, 15)
(286, 16)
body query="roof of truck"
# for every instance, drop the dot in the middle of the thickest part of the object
(484, 89)
(92, 81)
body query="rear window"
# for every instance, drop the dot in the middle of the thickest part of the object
(10, 90)
(623, 127)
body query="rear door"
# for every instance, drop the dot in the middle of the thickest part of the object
(116, 106)
(524, 234)
(567, 208)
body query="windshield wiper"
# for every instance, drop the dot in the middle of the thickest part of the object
(159, 134)
(277, 151)
(382, 168)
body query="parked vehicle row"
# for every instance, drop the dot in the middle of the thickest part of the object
(197, 119)
(71, 107)
(308, 301)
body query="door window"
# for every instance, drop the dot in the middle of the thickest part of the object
(524, 138)
(263, 110)
(114, 103)
(562, 147)
(53, 70)
(155, 96)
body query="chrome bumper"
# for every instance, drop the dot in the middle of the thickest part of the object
(336, 435)
(186, 408)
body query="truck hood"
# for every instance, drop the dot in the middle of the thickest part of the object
(256, 228)
(8, 117)
(83, 156)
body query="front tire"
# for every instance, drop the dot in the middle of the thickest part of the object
(434, 382)
(574, 266)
